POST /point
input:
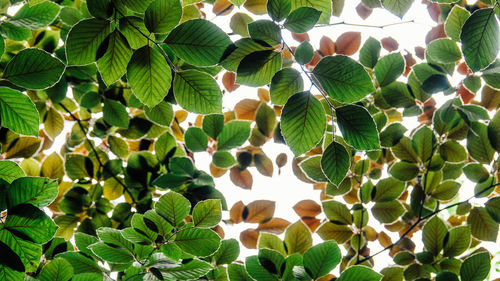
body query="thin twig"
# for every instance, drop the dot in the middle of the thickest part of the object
(102, 166)
(366, 25)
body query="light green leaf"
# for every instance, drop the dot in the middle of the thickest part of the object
(256, 270)
(237, 272)
(207, 213)
(476, 267)
(388, 189)
(493, 208)
(336, 232)
(29, 252)
(115, 113)
(113, 64)
(285, 84)
(258, 68)
(387, 212)
(298, 238)
(389, 68)
(197, 241)
(357, 127)
(56, 270)
(10, 171)
(404, 171)
(312, 168)
(343, 78)
(302, 19)
(149, 75)
(163, 15)
(133, 29)
(213, 124)
(447, 190)
(322, 258)
(303, 122)
(482, 226)
(31, 190)
(18, 113)
(457, 241)
(433, 235)
(189, 271)
(278, 10)
(35, 17)
(31, 223)
(424, 142)
(223, 159)
(454, 22)
(480, 39)
(195, 139)
(359, 273)
(491, 74)
(84, 39)
(397, 7)
(162, 113)
(304, 52)
(337, 212)
(233, 134)
(480, 140)
(324, 6)
(228, 251)
(111, 254)
(265, 30)
(173, 207)
(197, 92)
(34, 69)
(198, 42)
(335, 162)
(443, 50)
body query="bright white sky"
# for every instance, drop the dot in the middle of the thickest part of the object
(285, 188)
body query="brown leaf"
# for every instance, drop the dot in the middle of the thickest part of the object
(326, 46)
(409, 62)
(263, 164)
(434, 11)
(463, 69)
(311, 223)
(249, 238)
(429, 108)
(263, 95)
(465, 94)
(370, 233)
(420, 52)
(384, 239)
(327, 277)
(242, 179)
(390, 44)
(274, 225)
(301, 37)
(218, 229)
(490, 98)
(259, 211)
(307, 208)
(281, 160)
(246, 108)
(228, 80)
(216, 172)
(435, 33)
(222, 7)
(316, 58)
(363, 11)
(348, 43)
(236, 212)
(395, 226)
(298, 171)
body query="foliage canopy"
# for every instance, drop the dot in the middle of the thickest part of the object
(122, 198)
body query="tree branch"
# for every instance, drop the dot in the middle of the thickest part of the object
(366, 25)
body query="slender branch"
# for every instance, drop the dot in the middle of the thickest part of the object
(92, 147)
(366, 25)
(362, 211)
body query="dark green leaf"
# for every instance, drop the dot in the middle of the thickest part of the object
(115, 113)
(476, 267)
(322, 258)
(18, 113)
(197, 241)
(357, 127)
(284, 84)
(335, 162)
(279, 9)
(389, 68)
(197, 92)
(302, 19)
(173, 207)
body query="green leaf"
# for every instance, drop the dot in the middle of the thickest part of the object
(476, 172)
(265, 119)
(482, 226)
(233, 134)
(433, 235)
(397, 94)
(207, 213)
(370, 52)
(228, 251)
(271, 241)
(237, 272)
(13, 32)
(478, 146)
(397, 7)
(324, 6)
(162, 15)
(480, 39)
(493, 133)
(491, 74)
(18, 113)
(452, 151)
(133, 28)
(265, 30)
(493, 208)
(56, 270)
(115, 113)
(359, 273)
(278, 10)
(197, 241)
(111, 254)
(213, 124)
(387, 212)
(162, 113)
(332, 231)
(302, 19)
(454, 22)
(197, 92)
(138, 6)
(28, 252)
(424, 142)
(258, 68)
(30, 223)
(244, 47)
(337, 212)
(223, 159)
(476, 267)
(392, 134)
(257, 271)
(443, 51)
(304, 53)
(35, 17)
(270, 260)
(389, 68)
(285, 84)
(322, 258)
(198, 42)
(239, 24)
(388, 189)
(149, 76)
(84, 39)
(102, 9)
(113, 64)
(188, 271)
(303, 122)
(195, 139)
(457, 241)
(173, 207)
(357, 127)
(335, 162)
(447, 190)
(312, 168)
(34, 69)
(298, 238)
(31, 190)
(80, 262)
(343, 78)
(404, 171)
(10, 171)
